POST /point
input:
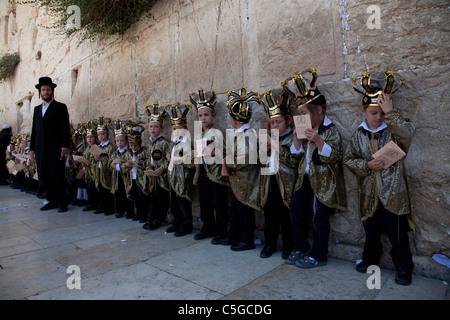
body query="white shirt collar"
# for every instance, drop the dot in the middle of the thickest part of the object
(244, 127)
(366, 127)
(151, 138)
(122, 150)
(326, 121)
(104, 144)
(183, 139)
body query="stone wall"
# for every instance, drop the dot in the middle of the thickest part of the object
(226, 44)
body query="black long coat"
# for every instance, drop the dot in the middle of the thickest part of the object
(48, 135)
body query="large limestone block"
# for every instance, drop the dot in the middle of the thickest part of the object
(291, 36)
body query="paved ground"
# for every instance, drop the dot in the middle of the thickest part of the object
(120, 260)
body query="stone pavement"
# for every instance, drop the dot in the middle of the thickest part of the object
(120, 260)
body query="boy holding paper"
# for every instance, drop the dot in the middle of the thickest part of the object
(319, 190)
(211, 185)
(384, 198)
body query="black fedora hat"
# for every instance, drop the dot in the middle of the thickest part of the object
(45, 81)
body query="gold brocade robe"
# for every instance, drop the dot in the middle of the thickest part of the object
(157, 158)
(390, 186)
(89, 170)
(326, 174)
(103, 173)
(115, 174)
(287, 171)
(213, 170)
(244, 172)
(78, 151)
(182, 174)
(142, 180)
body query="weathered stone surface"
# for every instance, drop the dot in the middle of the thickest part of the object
(223, 45)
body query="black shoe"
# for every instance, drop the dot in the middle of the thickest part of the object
(151, 226)
(63, 209)
(119, 214)
(267, 251)
(88, 208)
(181, 233)
(108, 213)
(202, 235)
(98, 211)
(241, 246)
(363, 265)
(404, 278)
(285, 254)
(219, 240)
(171, 229)
(49, 206)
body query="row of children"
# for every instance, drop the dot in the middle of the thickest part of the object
(305, 189)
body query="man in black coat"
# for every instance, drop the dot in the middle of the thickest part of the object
(50, 136)
(5, 140)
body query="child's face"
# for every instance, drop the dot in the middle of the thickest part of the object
(90, 139)
(316, 118)
(374, 116)
(102, 136)
(134, 146)
(206, 117)
(155, 129)
(178, 131)
(121, 142)
(281, 123)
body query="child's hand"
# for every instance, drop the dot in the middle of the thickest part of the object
(149, 173)
(131, 164)
(375, 164)
(158, 172)
(97, 157)
(385, 102)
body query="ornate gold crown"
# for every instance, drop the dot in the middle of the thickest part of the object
(103, 124)
(178, 117)
(203, 99)
(134, 131)
(372, 86)
(91, 128)
(119, 128)
(276, 102)
(241, 103)
(302, 89)
(154, 114)
(80, 130)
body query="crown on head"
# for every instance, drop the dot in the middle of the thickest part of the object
(241, 103)
(178, 117)
(153, 113)
(372, 86)
(134, 131)
(119, 128)
(203, 99)
(103, 124)
(91, 128)
(276, 103)
(303, 89)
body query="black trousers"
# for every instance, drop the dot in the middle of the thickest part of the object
(242, 223)
(92, 194)
(213, 197)
(396, 228)
(106, 200)
(181, 209)
(307, 210)
(276, 214)
(159, 205)
(141, 202)
(123, 204)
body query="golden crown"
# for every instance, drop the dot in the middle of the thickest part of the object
(241, 103)
(178, 117)
(203, 99)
